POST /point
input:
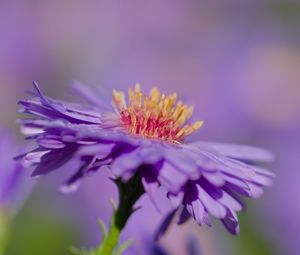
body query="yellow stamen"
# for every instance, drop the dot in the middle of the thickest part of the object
(154, 116)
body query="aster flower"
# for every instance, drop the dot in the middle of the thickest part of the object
(143, 141)
(13, 186)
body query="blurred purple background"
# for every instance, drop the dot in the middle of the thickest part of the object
(237, 62)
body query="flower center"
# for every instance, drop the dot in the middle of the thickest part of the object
(154, 116)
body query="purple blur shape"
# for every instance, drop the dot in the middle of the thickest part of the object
(13, 184)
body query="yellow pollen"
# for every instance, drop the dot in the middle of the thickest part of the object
(155, 116)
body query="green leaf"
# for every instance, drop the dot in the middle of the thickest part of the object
(75, 251)
(83, 251)
(113, 204)
(123, 247)
(103, 228)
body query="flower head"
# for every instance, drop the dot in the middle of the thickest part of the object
(145, 137)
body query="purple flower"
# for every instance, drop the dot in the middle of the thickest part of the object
(193, 248)
(144, 136)
(13, 186)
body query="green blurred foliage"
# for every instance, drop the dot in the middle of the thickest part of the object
(4, 231)
(286, 11)
(36, 232)
(251, 239)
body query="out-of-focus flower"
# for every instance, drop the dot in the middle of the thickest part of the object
(192, 247)
(13, 188)
(145, 138)
(155, 249)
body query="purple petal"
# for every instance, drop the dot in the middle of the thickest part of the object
(238, 185)
(198, 211)
(230, 202)
(151, 189)
(215, 178)
(256, 190)
(236, 197)
(50, 142)
(182, 161)
(206, 219)
(74, 181)
(262, 180)
(237, 168)
(171, 178)
(241, 152)
(176, 199)
(100, 150)
(213, 207)
(262, 171)
(53, 160)
(183, 217)
(90, 96)
(53, 109)
(126, 165)
(151, 154)
(165, 225)
(231, 222)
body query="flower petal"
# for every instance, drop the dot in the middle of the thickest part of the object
(181, 160)
(164, 226)
(241, 152)
(125, 165)
(213, 207)
(231, 222)
(171, 178)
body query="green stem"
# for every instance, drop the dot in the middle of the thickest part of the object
(129, 193)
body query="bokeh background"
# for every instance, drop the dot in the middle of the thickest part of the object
(237, 62)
